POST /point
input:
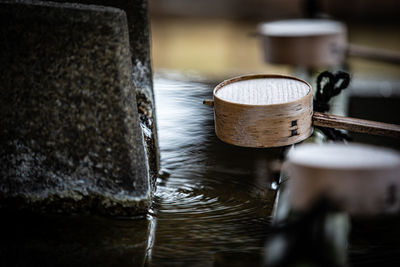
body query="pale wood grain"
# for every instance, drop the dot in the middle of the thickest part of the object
(278, 113)
(265, 91)
(263, 125)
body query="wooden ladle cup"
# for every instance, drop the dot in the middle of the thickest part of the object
(356, 178)
(276, 110)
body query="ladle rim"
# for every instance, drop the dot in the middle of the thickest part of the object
(259, 76)
(339, 28)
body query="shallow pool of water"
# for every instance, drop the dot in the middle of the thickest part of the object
(217, 199)
(212, 206)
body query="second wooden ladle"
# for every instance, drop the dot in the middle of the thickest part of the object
(314, 43)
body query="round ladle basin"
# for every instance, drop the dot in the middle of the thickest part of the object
(276, 110)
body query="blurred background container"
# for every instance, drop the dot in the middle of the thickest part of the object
(216, 40)
(214, 37)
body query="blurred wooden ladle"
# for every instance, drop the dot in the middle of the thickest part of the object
(276, 110)
(314, 43)
(356, 178)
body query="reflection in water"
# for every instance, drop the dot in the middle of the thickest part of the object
(56, 240)
(216, 203)
(150, 239)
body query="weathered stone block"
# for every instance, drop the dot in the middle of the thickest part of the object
(139, 39)
(70, 137)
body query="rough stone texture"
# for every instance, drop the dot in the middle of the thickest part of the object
(139, 30)
(70, 138)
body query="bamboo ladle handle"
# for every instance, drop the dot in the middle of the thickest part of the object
(373, 53)
(356, 125)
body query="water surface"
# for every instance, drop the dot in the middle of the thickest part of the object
(217, 200)
(212, 206)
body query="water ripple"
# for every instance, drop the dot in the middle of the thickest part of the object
(214, 200)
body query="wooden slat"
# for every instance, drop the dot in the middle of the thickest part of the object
(356, 125)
